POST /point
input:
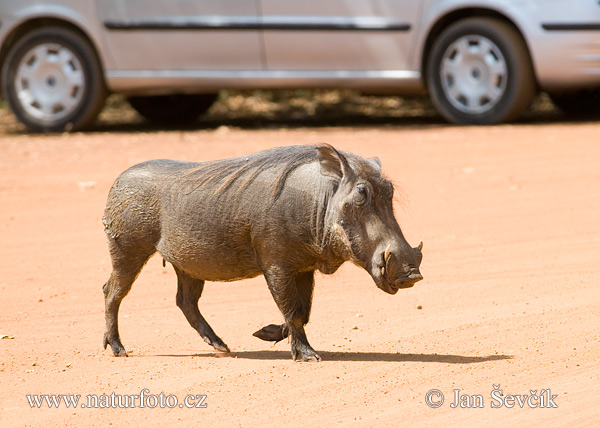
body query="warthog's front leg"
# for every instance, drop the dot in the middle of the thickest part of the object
(293, 295)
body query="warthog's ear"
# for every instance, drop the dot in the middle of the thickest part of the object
(333, 163)
(376, 164)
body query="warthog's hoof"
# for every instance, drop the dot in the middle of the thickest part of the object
(120, 353)
(221, 347)
(116, 346)
(272, 333)
(309, 355)
(216, 342)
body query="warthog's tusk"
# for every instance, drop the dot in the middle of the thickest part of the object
(382, 271)
(420, 245)
(387, 253)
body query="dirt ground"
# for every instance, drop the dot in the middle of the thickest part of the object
(510, 219)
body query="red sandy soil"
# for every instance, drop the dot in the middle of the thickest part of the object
(510, 219)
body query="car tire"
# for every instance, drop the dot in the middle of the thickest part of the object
(171, 110)
(52, 80)
(479, 72)
(584, 104)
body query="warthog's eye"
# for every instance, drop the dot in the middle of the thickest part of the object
(362, 194)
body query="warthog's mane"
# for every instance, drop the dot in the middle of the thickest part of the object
(245, 169)
(237, 174)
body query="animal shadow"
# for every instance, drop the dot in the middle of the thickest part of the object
(356, 356)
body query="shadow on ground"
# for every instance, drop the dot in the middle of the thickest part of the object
(349, 356)
(297, 110)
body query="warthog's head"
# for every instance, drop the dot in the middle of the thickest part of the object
(361, 218)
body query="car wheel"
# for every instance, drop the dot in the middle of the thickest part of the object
(177, 109)
(584, 104)
(479, 72)
(53, 81)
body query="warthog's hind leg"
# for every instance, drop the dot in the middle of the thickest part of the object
(189, 291)
(125, 271)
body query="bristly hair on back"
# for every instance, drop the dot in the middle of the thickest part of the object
(246, 169)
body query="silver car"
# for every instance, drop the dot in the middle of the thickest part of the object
(481, 61)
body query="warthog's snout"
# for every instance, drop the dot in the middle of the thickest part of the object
(394, 272)
(409, 280)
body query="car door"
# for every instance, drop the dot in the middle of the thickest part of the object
(181, 35)
(339, 35)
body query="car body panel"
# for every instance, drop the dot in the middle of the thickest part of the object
(146, 36)
(350, 35)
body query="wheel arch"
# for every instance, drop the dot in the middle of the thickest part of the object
(453, 16)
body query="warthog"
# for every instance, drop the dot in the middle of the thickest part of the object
(283, 213)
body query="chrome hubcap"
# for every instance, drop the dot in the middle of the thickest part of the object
(50, 82)
(473, 74)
